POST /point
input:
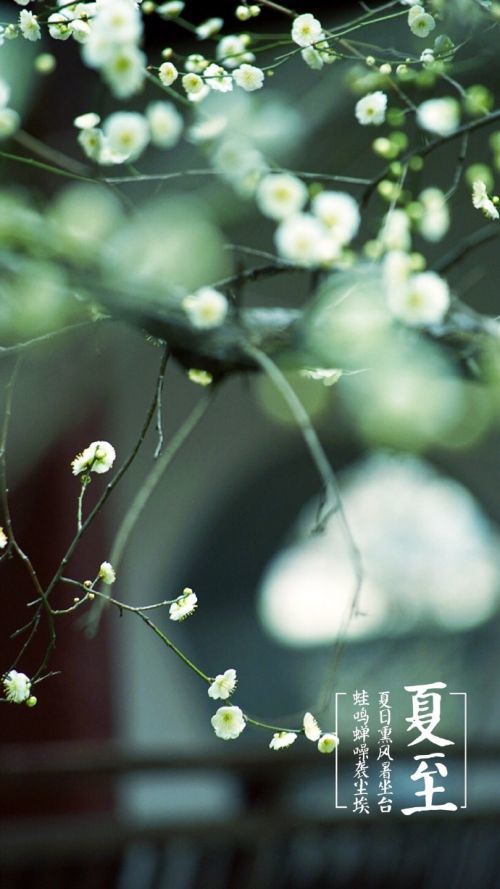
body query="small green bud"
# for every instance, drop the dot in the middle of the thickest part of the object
(31, 701)
(478, 100)
(416, 163)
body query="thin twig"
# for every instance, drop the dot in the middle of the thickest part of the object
(147, 488)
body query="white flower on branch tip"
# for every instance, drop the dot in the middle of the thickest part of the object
(280, 195)
(339, 212)
(3, 538)
(127, 133)
(58, 24)
(28, 23)
(209, 28)
(206, 308)
(435, 219)
(87, 121)
(223, 685)
(232, 50)
(193, 84)
(303, 240)
(196, 63)
(184, 605)
(306, 30)
(370, 110)
(98, 457)
(482, 201)
(312, 730)
(228, 723)
(17, 687)
(170, 10)
(125, 71)
(280, 740)
(165, 124)
(249, 78)
(328, 742)
(107, 573)
(218, 79)
(420, 302)
(441, 116)
(420, 22)
(168, 73)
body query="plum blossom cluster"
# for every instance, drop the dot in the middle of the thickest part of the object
(313, 238)
(326, 741)
(418, 300)
(125, 135)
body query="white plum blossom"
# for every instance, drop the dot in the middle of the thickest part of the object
(207, 130)
(207, 308)
(232, 50)
(240, 163)
(171, 9)
(280, 740)
(228, 723)
(312, 730)
(168, 73)
(17, 687)
(112, 45)
(193, 84)
(420, 22)
(427, 58)
(119, 20)
(395, 231)
(280, 195)
(58, 24)
(107, 573)
(482, 201)
(303, 240)
(328, 742)
(124, 71)
(218, 79)
(3, 538)
(28, 23)
(248, 77)
(184, 605)
(339, 212)
(306, 30)
(441, 116)
(91, 141)
(165, 124)
(223, 685)
(422, 301)
(196, 63)
(209, 28)
(370, 110)
(127, 133)
(87, 121)
(435, 219)
(313, 58)
(98, 457)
